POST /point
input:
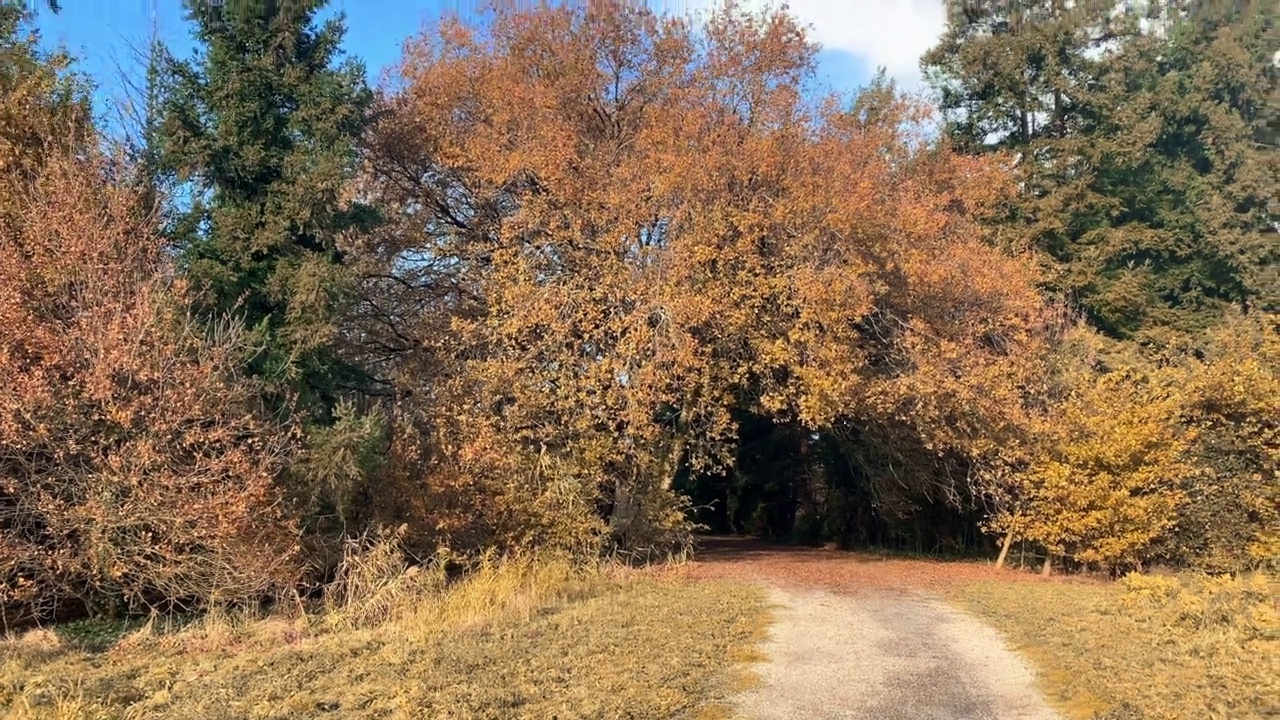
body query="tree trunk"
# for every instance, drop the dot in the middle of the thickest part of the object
(1059, 120)
(1048, 565)
(673, 462)
(624, 509)
(1004, 549)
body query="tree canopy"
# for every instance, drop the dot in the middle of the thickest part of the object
(1143, 183)
(260, 130)
(638, 229)
(582, 278)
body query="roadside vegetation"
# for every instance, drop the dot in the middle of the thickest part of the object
(1150, 647)
(515, 639)
(578, 280)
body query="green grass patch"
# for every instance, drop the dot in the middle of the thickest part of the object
(1146, 648)
(516, 640)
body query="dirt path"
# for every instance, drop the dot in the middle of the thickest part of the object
(857, 637)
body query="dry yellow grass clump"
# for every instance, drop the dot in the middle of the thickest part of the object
(1148, 647)
(514, 639)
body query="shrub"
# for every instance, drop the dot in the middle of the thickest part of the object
(1243, 604)
(1103, 479)
(135, 465)
(1232, 399)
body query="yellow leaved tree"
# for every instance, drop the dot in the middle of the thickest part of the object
(1105, 465)
(612, 232)
(1232, 399)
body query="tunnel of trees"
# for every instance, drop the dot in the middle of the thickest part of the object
(791, 484)
(582, 279)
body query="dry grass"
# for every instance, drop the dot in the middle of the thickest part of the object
(1147, 648)
(514, 640)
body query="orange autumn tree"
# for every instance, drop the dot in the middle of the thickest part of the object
(611, 229)
(137, 465)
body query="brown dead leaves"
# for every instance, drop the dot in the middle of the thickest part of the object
(134, 466)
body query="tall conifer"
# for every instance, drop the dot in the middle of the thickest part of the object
(260, 128)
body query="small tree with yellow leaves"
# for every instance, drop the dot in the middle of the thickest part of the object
(1104, 478)
(1232, 399)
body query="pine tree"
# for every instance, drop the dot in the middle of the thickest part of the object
(260, 129)
(1142, 183)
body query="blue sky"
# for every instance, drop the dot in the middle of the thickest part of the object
(104, 37)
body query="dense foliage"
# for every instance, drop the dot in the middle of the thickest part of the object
(1143, 182)
(1147, 177)
(615, 236)
(135, 463)
(576, 271)
(260, 129)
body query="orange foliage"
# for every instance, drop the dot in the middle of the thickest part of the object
(133, 465)
(612, 230)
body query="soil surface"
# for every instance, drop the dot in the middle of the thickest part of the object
(860, 636)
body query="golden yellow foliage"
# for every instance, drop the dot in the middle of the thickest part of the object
(1173, 459)
(1232, 399)
(1105, 468)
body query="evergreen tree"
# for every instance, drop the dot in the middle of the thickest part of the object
(1142, 181)
(260, 128)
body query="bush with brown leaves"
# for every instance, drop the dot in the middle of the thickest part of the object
(135, 466)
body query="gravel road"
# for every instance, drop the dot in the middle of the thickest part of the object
(857, 637)
(886, 656)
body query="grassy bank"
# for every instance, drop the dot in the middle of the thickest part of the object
(1146, 648)
(514, 640)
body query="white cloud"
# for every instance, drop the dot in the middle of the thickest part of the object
(892, 33)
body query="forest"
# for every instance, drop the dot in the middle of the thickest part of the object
(593, 279)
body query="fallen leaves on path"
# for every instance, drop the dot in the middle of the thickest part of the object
(751, 560)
